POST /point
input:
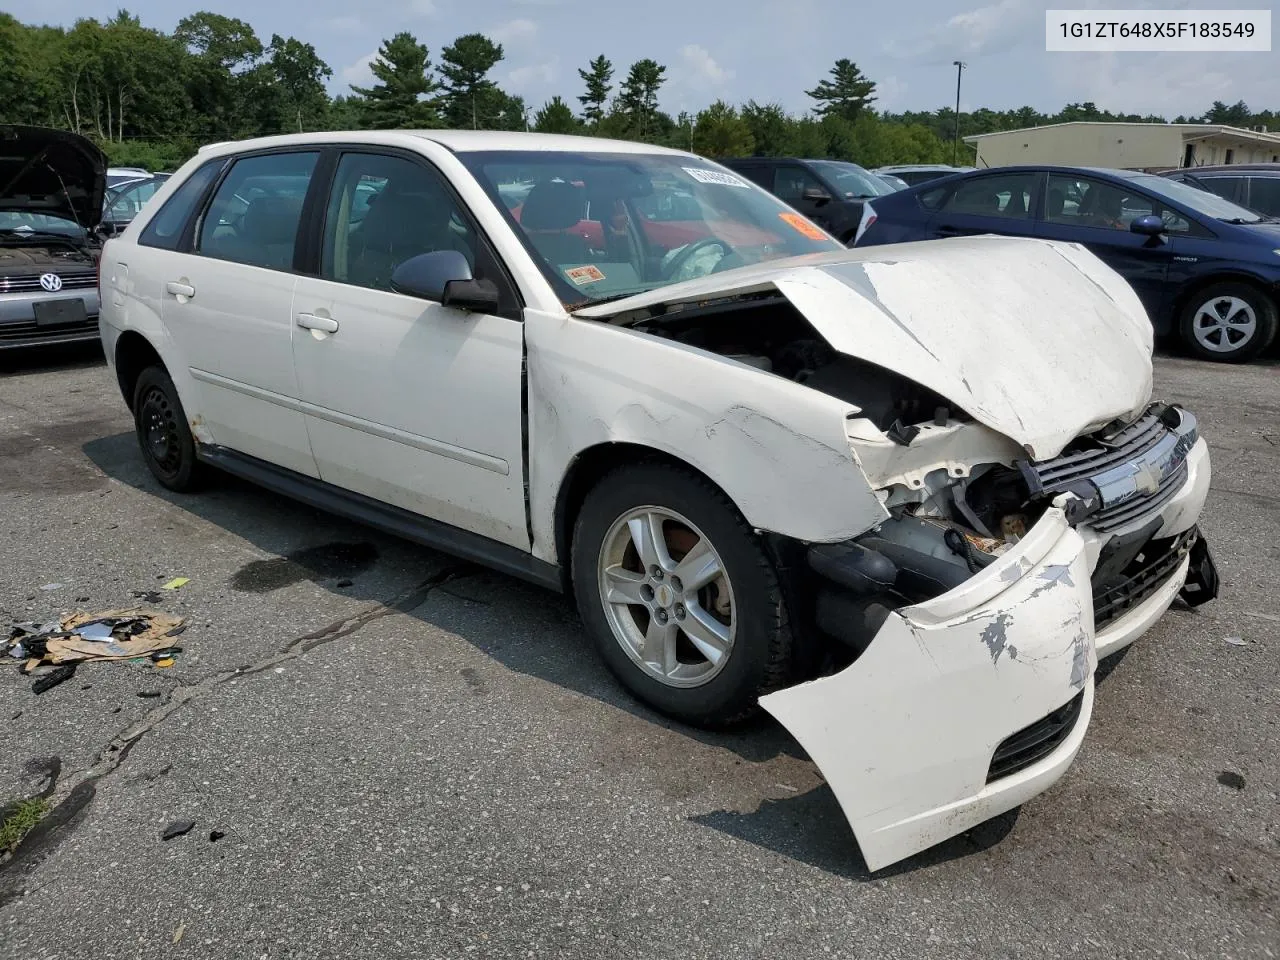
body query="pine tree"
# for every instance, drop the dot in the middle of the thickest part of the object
(472, 100)
(846, 94)
(598, 77)
(403, 96)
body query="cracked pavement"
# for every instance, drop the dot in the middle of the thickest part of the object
(407, 756)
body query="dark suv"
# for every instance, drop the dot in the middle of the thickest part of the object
(1252, 185)
(828, 192)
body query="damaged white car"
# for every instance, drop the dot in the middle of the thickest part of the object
(901, 498)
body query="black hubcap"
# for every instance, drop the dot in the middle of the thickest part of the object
(159, 426)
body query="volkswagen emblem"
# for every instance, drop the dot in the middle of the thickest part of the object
(51, 282)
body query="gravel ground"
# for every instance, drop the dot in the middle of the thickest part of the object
(402, 756)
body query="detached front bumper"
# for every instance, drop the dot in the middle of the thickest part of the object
(907, 735)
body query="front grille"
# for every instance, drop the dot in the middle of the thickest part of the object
(14, 334)
(1032, 744)
(1146, 574)
(31, 282)
(1126, 476)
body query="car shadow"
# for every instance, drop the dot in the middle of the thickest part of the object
(541, 637)
(51, 358)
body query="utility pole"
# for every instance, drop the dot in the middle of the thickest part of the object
(955, 147)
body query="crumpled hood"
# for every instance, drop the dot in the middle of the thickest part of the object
(52, 171)
(1037, 339)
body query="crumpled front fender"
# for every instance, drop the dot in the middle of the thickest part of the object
(906, 735)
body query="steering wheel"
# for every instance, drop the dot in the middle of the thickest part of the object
(684, 256)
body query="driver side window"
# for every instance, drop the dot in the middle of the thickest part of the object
(382, 211)
(790, 183)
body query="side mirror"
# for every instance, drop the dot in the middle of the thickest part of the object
(816, 195)
(445, 277)
(1149, 226)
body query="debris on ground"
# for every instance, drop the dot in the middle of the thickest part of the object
(176, 582)
(80, 637)
(49, 587)
(178, 828)
(1237, 641)
(216, 835)
(54, 677)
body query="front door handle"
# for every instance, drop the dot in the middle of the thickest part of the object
(180, 289)
(309, 321)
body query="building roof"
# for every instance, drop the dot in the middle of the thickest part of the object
(1201, 129)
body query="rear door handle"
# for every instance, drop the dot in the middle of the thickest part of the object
(309, 321)
(180, 289)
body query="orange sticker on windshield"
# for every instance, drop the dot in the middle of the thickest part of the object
(584, 275)
(802, 225)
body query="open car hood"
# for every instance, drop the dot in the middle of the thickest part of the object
(54, 172)
(1036, 339)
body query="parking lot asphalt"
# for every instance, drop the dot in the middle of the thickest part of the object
(410, 757)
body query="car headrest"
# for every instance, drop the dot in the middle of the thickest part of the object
(272, 219)
(553, 205)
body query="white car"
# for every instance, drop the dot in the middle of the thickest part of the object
(901, 498)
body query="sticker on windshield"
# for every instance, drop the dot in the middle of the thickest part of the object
(801, 225)
(584, 275)
(703, 175)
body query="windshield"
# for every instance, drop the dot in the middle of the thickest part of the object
(603, 226)
(851, 180)
(1201, 201)
(20, 224)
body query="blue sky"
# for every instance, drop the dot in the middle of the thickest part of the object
(752, 49)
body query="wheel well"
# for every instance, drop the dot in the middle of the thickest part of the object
(1198, 286)
(133, 355)
(583, 474)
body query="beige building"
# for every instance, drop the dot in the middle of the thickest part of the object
(1132, 146)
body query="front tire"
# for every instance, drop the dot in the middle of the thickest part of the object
(163, 433)
(1228, 322)
(679, 595)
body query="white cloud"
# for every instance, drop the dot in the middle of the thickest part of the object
(342, 24)
(358, 74)
(889, 93)
(514, 33)
(1167, 84)
(422, 8)
(532, 77)
(696, 61)
(981, 31)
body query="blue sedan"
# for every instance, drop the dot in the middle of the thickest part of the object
(1205, 268)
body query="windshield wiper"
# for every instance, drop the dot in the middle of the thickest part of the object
(1243, 220)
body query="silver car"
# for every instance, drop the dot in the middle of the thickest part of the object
(52, 185)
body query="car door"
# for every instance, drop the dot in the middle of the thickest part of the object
(801, 189)
(407, 401)
(1005, 203)
(227, 306)
(1097, 213)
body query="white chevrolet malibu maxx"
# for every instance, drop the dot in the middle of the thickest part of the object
(902, 498)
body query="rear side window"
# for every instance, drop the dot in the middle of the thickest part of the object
(1006, 195)
(1264, 195)
(254, 215)
(932, 199)
(167, 226)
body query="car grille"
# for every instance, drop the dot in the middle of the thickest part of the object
(15, 334)
(1130, 473)
(1152, 568)
(1032, 744)
(31, 282)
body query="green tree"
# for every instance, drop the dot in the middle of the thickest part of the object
(470, 99)
(556, 116)
(298, 76)
(402, 97)
(220, 80)
(1236, 115)
(772, 131)
(599, 80)
(638, 98)
(846, 94)
(720, 132)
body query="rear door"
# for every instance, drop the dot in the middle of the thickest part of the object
(1005, 203)
(1097, 214)
(227, 307)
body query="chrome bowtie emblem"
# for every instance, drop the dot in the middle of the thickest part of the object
(1147, 479)
(51, 282)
